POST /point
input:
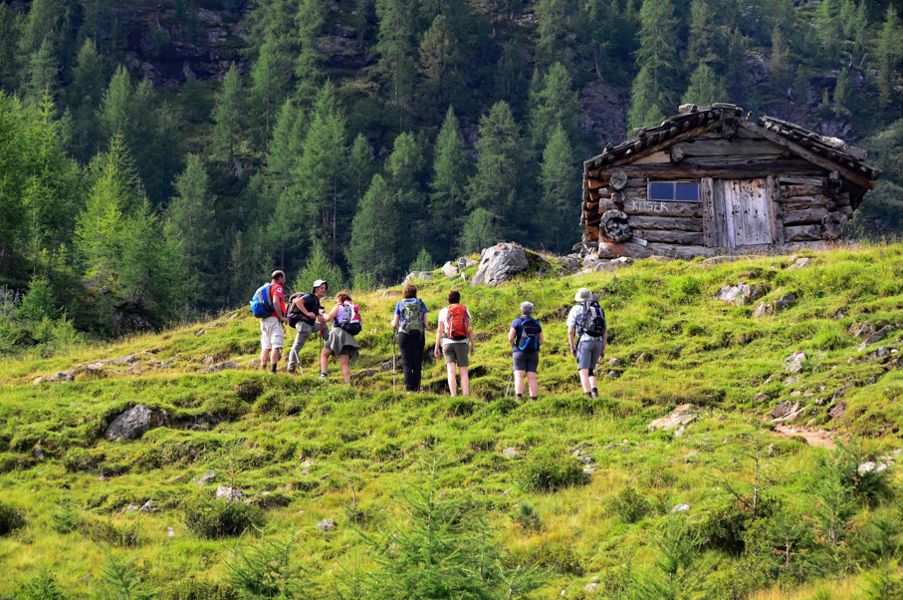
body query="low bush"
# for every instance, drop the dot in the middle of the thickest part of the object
(266, 570)
(630, 506)
(196, 589)
(42, 587)
(526, 518)
(217, 518)
(65, 519)
(102, 530)
(549, 471)
(11, 518)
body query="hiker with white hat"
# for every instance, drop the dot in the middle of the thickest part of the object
(305, 315)
(587, 338)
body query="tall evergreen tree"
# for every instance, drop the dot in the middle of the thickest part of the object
(403, 170)
(890, 53)
(10, 31)
(439, 66)
(560, 186)
(829, 29)
(701, 46)
(43, 73)
(270, 82)
(498, 184)
(360, 167)
(374, 235)
(705, 87)
(397, 50)
(191, 227)
(309, 21)
(83, 97)
(448, 187)
(652, 94)
(554, 20)
(229, 121)
(481, 229)
(115, 113)
(553, 104)
(779, 66)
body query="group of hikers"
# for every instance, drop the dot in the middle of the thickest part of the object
(455, 341)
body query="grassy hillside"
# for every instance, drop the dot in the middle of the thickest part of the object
(563, 496)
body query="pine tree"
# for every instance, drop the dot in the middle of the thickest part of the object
(828, 29)
(702, 37)
(890, 53)
(40, 302)
(842, 94)
(705, 87)
(10, 31)
(510, 79)
(480, 230)
(281, 193)
(191, 225)
(397, 50)
(735, 75)
(318, 266)
(360, 167)
(309, 21)
(553, 22)
(447, 188)
(423, 262)
(553, 105)
(229, 121)
(800, 87)
(115, 114)
(439, 60)
(98, 233)
(779, 66)
(559, 189)
(270, 82)
(498, 184)
(43, 73)
(403, 177)
(652, 94)
(374, 234)
(83, 97)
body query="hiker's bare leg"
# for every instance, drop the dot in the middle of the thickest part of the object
(324, 359)
(533, 384)
(346, 368)
(592, 382)
(452, 382)
(585, 381)
(275, 354)
(264, 358)
(519, 383)
(465, 382)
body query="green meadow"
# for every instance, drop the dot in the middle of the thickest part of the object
(481, 497)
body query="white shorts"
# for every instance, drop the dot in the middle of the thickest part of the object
(271, 333)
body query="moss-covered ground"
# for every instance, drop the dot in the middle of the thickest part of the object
(768, 515)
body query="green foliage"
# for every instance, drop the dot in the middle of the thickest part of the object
(440, 63)
(66, 519)
(559, 185)
(267, 570)
(890, 55)
(526, 517)
(39, 302)
(652, 94)
(41, 587)
(423, 262)
(229, 114)
(374, 234)
(705, 87)
(120, 581)
(553, 104)
(11, 518)
(447, 197)
(396, 48)
(884, 583)
(549, 470)
(479, 231)
(319, 266)
(199, 589)
(217, 518)
(630, 506)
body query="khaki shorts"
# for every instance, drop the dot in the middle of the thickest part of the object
(272, 336)
(456, 353)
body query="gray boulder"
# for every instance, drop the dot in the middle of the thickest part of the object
(418, 276)
(450, 269)
(742, 293)
(326, 525)
(499, 263)
(796, 362)
(680, 416)
(134, 422)
(229, 494)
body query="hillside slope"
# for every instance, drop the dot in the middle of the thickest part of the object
(580, 495)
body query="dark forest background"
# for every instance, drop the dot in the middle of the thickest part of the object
(159, 159)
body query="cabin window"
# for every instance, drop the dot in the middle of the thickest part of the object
(674, 191)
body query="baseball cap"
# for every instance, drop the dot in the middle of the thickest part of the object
(320, 282)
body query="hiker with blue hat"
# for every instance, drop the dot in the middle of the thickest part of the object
(525, 337)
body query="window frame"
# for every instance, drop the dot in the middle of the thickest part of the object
(673, 183)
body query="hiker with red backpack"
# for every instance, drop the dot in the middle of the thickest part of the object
(409, 322)
(268, 305)
(345, 317)
(525, 337)
(587, 337)
(455, 335)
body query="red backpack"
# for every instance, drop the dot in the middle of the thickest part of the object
(457, 322)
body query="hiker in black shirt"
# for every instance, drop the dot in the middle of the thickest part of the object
(305, 316)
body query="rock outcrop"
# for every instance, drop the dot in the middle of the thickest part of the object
(499, 263)
(133, 423)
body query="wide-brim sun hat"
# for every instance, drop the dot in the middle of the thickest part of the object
(582, 295)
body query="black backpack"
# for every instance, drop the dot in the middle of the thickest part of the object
(294, 315)
(528, 335)
(593, 323)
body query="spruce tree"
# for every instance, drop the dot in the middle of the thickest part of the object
(554, 104)
(192, 225)
(309, 21)
(115, 114)
(83, 97)
(439, 66)
(890, 53)
(374, 235)
(397, 50)
(270, 81)
(448, 187)
(403, 176)
(423, 262)
(701, 46)
(360, 167)
(705, 87)
(98, 232)
(480, 230)
(10, 31)
(779, 66)
(554, 20)
(828, 29)
(318, 266)
(281, 192)
(229, 120)
(43, 73)
(509, 76)
(498, 184)
(560, 188)
(652, 94)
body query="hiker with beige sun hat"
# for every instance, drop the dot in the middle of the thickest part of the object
(587, 338)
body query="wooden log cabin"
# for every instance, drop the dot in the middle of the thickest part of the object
(711, 181)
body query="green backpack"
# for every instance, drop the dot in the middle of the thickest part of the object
(411, 316)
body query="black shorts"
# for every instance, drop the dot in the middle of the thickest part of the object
(525, 361)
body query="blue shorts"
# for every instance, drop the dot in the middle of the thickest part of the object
(588, 354)
(525, 361)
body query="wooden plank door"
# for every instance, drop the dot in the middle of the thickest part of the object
(743, 211)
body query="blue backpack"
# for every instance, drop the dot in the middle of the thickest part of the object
(528, 335)
(262, 303)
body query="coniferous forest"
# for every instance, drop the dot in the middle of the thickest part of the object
(158, 160)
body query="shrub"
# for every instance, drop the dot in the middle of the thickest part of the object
(102, 530)
(66, 518)
(266, 570)
(630, 506)
(548, 471)
(526, 518)
(194, 589)
(884, 584)
(11, 518)
(119, 581)
(42, 587)
(217, 518)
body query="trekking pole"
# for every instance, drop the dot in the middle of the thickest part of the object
(508, 387)
(394, 343)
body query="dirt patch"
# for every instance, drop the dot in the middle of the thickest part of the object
(814, 437)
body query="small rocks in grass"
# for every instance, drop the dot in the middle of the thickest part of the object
(592, 586)
(229, 364)
(681, 508)
(148, 507)
(229, 494)
(450, 269)
(131, 508)
(742, 293)
(170, 532)
(511, 452)
(206, 478)
(614, 362)
(786, 411)
(796, 362)
(799, 263)
(682, 415)
(871, 467)
(581, 454)
(326, 525)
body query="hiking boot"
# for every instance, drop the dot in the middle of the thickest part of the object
(273, 368)
(595, 393)
(519, 397)
(323, 376)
